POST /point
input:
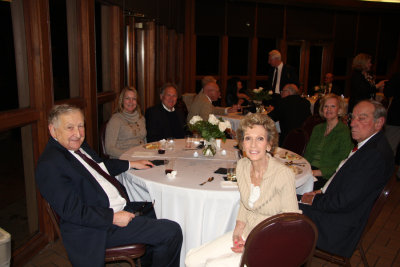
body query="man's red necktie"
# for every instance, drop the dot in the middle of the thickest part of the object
(355, 148)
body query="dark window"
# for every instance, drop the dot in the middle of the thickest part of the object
(382, 66)
(340, 66)
(265, 45)
(314, 71)
(59, 49)
(8, 78)
(207, 55)
(238, 53)
(15, 218)
(293, 56)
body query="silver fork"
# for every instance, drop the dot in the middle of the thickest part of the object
(208, 180)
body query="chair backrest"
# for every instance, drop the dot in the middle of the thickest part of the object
(379, 203)
(55, 219)
(286, 239)
(103, 152)
(310, 122)
(296, 141)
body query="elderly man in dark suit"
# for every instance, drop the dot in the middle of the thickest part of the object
(280, 74)
(165, 120)
(341, 209)
(291, 110)
(94, 208)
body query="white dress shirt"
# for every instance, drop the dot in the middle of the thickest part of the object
(117, 202)
(278, 78)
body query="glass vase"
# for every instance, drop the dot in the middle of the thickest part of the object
(209, 149)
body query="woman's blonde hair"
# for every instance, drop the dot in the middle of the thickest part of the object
(252, 119)
(340, 103)
(120, 107)
(360, 62)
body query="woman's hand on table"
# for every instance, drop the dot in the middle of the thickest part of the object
(141, 164)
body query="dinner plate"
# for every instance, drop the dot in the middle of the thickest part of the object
(295, 169)
(151, 145)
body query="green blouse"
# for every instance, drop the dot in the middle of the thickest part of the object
(326, 152)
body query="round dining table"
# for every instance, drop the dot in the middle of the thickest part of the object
(206, 211)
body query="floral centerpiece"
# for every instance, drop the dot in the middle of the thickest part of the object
(210, 130)
(259, 94)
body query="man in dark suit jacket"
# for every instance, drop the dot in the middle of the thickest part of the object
(279, 75)
(332, 86)
(94, 212)
(291, 110)
(164, 120)
(284, 73)
(341, 209)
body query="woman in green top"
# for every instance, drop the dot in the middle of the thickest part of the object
(330, 142)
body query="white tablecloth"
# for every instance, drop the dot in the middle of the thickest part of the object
(203, 212)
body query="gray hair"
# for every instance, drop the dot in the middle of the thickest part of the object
(275, 54)
(166, 85)
(380, 110)
(292, 88)
(59, 110)
(208, 79)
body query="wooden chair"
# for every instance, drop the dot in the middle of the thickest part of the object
(296, 141)
(286, 239)
(311, 122)
(121, 253)
(375, 211)
(103, 153)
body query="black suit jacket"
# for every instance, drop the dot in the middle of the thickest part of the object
(360, 89)
(342, 212)
(392, 89)
(291, 112)
(288, 75)
(79, 200)
(159, 126)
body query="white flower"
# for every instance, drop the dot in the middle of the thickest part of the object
(258, 90)
(172, 174)
(228, 124)
(222, 126)
(195, 119)
(213, 120)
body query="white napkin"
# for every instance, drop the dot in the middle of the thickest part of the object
(172, 175)
(228, 184)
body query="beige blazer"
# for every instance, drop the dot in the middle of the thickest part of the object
(277, 193)
(202, 107)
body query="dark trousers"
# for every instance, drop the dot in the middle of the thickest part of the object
(162, 237)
